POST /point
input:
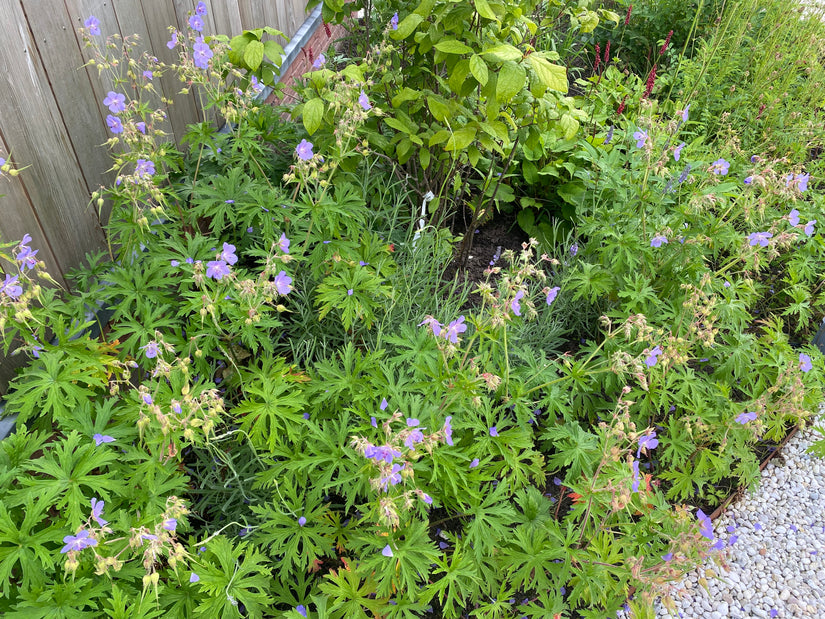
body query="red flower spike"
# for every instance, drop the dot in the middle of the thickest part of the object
(627, 17)
(651, 80)
(621, 106)
(667, 42)
(607, 53)
(598, 58)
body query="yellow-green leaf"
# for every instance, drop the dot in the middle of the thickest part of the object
(484, 9)
(407, 26)
(424, 158)
(570, 126)
(511, 80)
(453, 47)
(478, 68)
(502, 53)
(439, 136)
(313, 114)
(406, 94)
(438, 108)
(553, 76)
(253, 55)
(460, 139)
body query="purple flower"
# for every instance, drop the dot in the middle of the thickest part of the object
(394, 22)
(720, 166)
(147, 399)
(757, 526)
(320, 61)
(93, 24)
(10, 287)
(201, 9)
(196, 23)
(609, 135)
(640, 137)
(228, 254)
(116, 102)
(744, 418)
(773, 613)
(283, 283)
(426, 498)
(515, 305)
(493, 431)
(677, 152)
(474, 463)
(412, 422)
(301, 610)
(759, 238)
(733, 539)
(748, 180)
(726, 284)
(647, 442)
(173, 41)
(141, 126)
(304, 150)
(384, 404)
(448, 430)
(151, 350)
(416, 436)
(805, 362)
(97, 512)
(373, 422)
(683, 176)
(193, 578)
(302, 521)
(383, 452)
(651, 359)
(387, 552)
(574, 249)
(802, 181)
(201, 53)
(283, 243)
(217, 269)
(706, 526)
(685, 113)
(551, 294)
(256, 86)
(718, 545)
(78, 542)
(99, 439)
(667, 557)
(635, 466)
(793, 218)
(115, 126)
(809, 227)
(754, 158)
(176, 408)
(170, 524)
(453, 329)
(364, 102)
(657, 240)
(26, 257)
(144, 168)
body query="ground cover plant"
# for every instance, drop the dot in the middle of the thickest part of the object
(291, 412)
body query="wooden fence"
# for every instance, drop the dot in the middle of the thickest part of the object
(52, 117)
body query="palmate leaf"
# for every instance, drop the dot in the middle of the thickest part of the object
(348, 595)
(459, 579)
(67, 477)
(233, 576)
(528, 559)
(23, 545)
(66, 599)
(493, 519)
(571, 446)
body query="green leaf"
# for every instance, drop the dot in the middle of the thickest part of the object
(353, 72)
(503, 53)
(570, 126)
(274, 52)
(588, 20)
(511, 79)
(406, 94)
(553, 76)
(453, 47)
(253, 55)
(424, 158)
(479, 69)
(438, 108)
(460, 139)
(313, 114)
(407, 26)
(484, 9)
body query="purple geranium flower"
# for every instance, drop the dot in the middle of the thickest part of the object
(196, 23)
(148, 75)
(805, 363)
(151, 350)
(170, 524)
(283, 243)
(515, 305)
(78, 542)
(201, 9)
(685, 113)
(387, 552)
(93, 24)
(448, 430)
(141, 126)
(551, 294)
(201, 53)
(657, 240)
(283, 283)
(802, 181)
(748, 180)
(453, 329)
(474, 463)
(10, 287)
(640, 137)
(116, 102)
(647, 442)
(706, 526)
(217, 269)
(809, 227)
(144, 168)
(26, 257)
(97, 512)
(677, 152)
(759, 238)
(416, 436)
(394, 21)
(301, 610)
(228, 254)
(304, 150)
(115, 126)
(635, 466)
(320, 61)
(384, 404)
(793, 218)
(99, 439)
(173, 41)
(493, 431)
(364, 102)
(744, 418)
(193, 578)
(651, 359)
(720, 166)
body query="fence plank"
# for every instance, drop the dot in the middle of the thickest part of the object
(227, 17)
(36, 135)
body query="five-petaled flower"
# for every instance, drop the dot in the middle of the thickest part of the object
(10, 287)
(677, 152)
(283, 243)
(720, 166)
(759, 238)
(453, 329)
(651, 359)
(552, 294)
(26, 257)
(115, 101)
(228, 254)
(283, 283)
(151, 350)
(394, 21)
(647, 441)
(97, 512)
(217, 269)
(93, 24)
(658, 240)
(196, 23)
(201, 9)
(793, 218)
(78, 542)
(364, 102)
(493, 431)
(706, 526)
(173, 41)
(304, 150)
(640, 137)
(805, 363)
(144, 168)
(320, 61)
(744, 418)
(809, 227)
(99, 439)
(201, 53)
(115, 126)
(515, 305)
